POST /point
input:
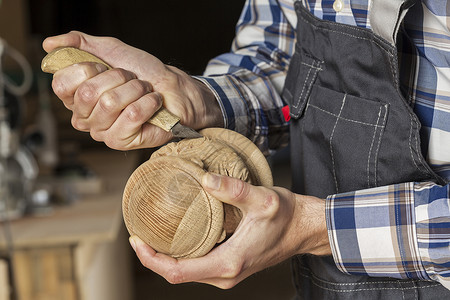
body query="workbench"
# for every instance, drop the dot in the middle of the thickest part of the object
(79, 250)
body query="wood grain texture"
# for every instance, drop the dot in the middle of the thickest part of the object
(164, 119)
(165, 205)
(66, 56)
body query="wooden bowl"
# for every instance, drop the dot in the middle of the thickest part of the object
(165, 205)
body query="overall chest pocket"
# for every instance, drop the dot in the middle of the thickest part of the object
(339, 135)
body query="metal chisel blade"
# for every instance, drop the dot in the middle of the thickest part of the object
(181, 131)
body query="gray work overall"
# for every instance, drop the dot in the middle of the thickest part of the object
(351, 129)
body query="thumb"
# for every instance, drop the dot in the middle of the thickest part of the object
(99, 46)
(107, 48)
(236, 192)
(113, 51)
(72, 39)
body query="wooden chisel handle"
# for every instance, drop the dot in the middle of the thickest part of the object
(66, 56)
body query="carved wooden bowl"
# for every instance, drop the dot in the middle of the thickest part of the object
(165, 205)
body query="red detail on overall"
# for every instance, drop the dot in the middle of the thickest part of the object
(286, 114)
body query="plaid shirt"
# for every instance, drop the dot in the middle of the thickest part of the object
(401, 230)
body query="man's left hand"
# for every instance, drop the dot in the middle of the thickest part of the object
(276, 225)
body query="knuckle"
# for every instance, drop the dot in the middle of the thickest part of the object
(140, 85)
(110, 144)
(226, 285)
(133, 113)
(174, 276)
(153, 101)
(114, 40)
(232, 270)
(239, 189)
(108, 101)
(79, 124)
(121, 75)
(60, 89)
(87, 93)
(114, 143)
(96, 135)
(111, 40)
(86, 70)
(75, 123)
(271, 203)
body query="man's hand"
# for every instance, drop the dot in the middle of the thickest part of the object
(114, 105)
(276, 225)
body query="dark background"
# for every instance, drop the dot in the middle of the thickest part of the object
(182, 33)
(185, 34)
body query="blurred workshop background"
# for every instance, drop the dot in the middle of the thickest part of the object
(61, 230)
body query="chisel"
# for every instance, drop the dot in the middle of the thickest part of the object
(66, 56)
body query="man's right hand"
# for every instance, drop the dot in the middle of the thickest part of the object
(115, 105)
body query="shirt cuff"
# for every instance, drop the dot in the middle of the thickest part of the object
(231, 99)
(372, 232)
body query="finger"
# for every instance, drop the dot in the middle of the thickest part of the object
(71, 39)
(229, 270)
(90, 91)
(111, 50)
(240, 194)
(225, 283)
(202, 269)
(66, 81)
(131, 130)
(111, 103)
(75, 39)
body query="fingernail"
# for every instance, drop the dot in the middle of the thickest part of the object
(101, 68)
(132, 243)
(160, 97)
(211, 181)
(148, 86)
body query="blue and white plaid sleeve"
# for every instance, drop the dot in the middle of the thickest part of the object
(247, 81)
(399, 231)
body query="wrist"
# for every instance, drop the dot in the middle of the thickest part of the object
(204, 107)
(212, 114)
(314, 234)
